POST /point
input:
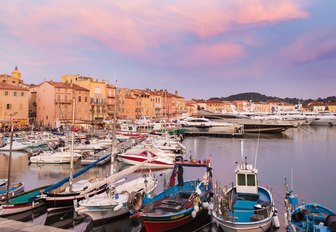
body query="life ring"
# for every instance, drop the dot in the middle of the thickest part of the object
(134, 202)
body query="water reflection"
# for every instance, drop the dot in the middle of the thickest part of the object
(309, 151)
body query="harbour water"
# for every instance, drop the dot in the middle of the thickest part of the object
(310, 152)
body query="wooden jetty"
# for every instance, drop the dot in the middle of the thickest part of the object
(7, 225)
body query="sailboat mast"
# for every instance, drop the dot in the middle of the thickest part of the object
(72, 144)
(113, 148)
(10, 159)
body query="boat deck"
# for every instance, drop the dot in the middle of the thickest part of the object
(171, 204)
(246, 210)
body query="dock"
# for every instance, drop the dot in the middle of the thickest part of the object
(213, 132)
(7, 225)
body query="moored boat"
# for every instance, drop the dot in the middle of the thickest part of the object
(22, 202)
(247, 206)
(307, 217)
(179, 204)
(14, 189)
(113, 203)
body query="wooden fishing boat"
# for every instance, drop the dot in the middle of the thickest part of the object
(247, 206)
(113, 203)
(180, 203)
(307, 217)
(14, 189)
(22, 202)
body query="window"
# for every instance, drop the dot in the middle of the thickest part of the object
(241, 179)
(47, 117)
(6, 93)
(79, 98)
(58, 98)
(85, 99)
(22, 94)
(8, 106)
(14, 94)
(250, 180)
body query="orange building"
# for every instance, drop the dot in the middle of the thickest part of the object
(54, 102)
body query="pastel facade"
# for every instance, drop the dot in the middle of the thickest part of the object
(97, 91)
(54, 102)
(13, 104)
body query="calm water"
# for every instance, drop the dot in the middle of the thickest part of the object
(308, 151)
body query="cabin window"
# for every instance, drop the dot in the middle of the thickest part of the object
(241, 179)
(250, 180)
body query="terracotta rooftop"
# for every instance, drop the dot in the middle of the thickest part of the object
(4, 85)
(67, 86)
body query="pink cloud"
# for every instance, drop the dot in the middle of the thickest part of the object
(211, 54)
(310, 48)
(140, 28)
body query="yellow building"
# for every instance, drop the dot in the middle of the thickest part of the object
(14, 79)
(13, 104)
(98, 94)
(54, 101)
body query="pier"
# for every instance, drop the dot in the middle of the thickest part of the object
(7, 225)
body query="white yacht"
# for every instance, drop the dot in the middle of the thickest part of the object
(324, 119)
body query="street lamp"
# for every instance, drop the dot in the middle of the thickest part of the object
(10, 155)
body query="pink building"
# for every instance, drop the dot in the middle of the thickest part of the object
(54, 101)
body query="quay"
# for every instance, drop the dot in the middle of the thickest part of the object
(7, 225)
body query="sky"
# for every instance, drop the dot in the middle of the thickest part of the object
(201, 49)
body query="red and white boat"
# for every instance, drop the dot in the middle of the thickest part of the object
(154, 160)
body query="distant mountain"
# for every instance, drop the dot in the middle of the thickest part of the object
(255, 97)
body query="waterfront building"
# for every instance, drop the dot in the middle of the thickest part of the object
(261, 107)
(97, 91)
(219, 106)
(14, 79)
(315, 106)
(14, 100)
(279, 106)
(331, 107)
(13, 105)
(54, 104)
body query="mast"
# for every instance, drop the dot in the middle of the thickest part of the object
(72, 143)
(113, 148)
(10, 159)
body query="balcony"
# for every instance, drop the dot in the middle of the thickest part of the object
(62, 101)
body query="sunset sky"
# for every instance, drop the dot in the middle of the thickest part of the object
(201, 48)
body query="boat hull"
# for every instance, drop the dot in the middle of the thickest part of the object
(166, 223)
(260, 226)
(14, 189)
(19, 208)
(64, 200)
(100, 214)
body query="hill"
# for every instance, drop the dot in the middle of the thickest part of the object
(255, 97)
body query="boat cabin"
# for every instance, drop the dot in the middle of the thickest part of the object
(246, 179)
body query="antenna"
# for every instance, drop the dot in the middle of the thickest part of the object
(292, 179)
(242, 150)
(256, 152)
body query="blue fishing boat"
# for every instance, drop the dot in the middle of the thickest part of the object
(307, 217)
(245, 206)
(22, 202)
(179, 204)
(14, 189)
